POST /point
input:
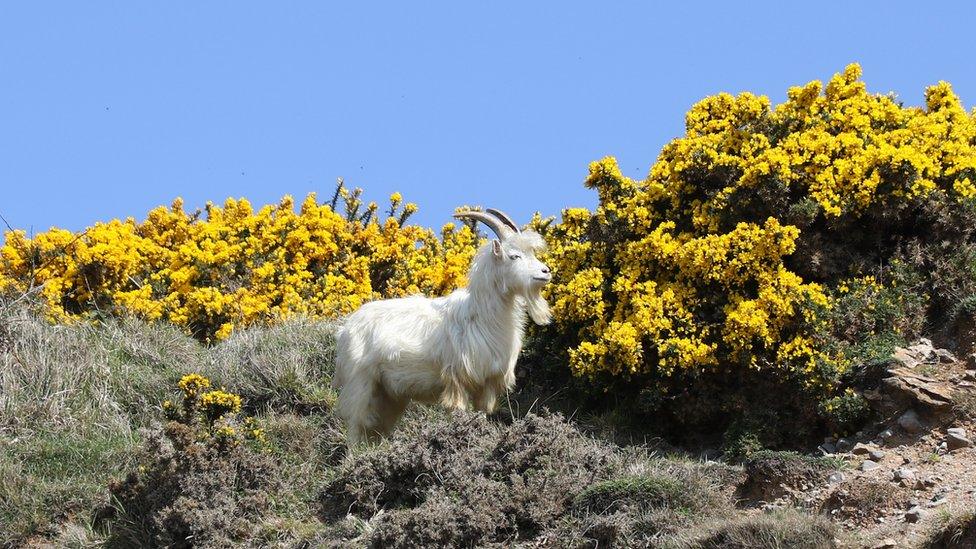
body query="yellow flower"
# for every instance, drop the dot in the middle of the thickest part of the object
(192, 384)
(215, 404)
(232, 266)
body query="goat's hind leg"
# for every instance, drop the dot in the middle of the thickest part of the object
(357, 407)
(389, 408)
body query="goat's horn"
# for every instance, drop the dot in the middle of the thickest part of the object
(492, 222)
(503, 217)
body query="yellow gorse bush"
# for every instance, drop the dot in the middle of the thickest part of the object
(219, 402)
(192, 385)
(232, 266)
(687, 269)
(212, 416)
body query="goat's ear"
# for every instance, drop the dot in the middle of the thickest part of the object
(496, 247)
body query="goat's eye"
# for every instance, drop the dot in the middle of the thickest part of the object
(513, 257)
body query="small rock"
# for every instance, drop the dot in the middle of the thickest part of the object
(904, 473)
(861, 449)
(869, 465)
(887, 543)
(905, 357)
(914, 515)
(930, 482)
(958, 431)
(836, 478)
(828, 448)
(909, 421)
(910, 386)
(922, 351)
(955, 442)
(945, 356)
(937, 502)
(844, 445)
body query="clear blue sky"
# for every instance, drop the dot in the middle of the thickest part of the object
(110, 108)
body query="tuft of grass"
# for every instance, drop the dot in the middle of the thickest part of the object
(965, 403)
(781, 529)
(51, 478)
(285, 367)
(770, 473)
(952, 532)
(646, 492)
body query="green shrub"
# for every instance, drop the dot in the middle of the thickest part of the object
(203, 481)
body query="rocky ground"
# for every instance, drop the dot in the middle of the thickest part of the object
(907, 475)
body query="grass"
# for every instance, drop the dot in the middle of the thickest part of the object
(952, 531)
(965, 403)
(76, 399)
(79, 402)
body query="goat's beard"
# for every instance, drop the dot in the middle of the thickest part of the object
(535, 304)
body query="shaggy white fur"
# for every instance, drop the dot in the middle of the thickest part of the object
(459, 350)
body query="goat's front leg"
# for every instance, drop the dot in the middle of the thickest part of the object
(486, 399)
(454, 396)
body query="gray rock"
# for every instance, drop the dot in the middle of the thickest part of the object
(909, 421)
(877, 455)
(945, 356)
(905, 357)
(861, 449)
(887, 543)
(869, 465)
(844, 445)
(923, 351)
(955, 442)
(914, 515)
(828, 448)
(836, 478)
(904, 473)
(958, 431)
(910, 387)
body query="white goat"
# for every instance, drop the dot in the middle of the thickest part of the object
(459, 350)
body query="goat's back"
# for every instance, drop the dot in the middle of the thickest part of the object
(387, 332)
